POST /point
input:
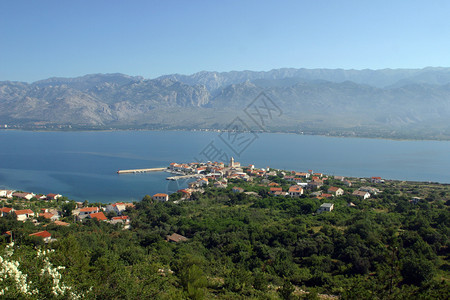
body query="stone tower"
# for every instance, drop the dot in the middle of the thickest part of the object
(231, 162)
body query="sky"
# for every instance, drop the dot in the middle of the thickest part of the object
(47, 38)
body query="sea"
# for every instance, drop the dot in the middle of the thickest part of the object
(83, 165)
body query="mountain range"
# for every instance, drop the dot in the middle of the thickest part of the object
(390, 103)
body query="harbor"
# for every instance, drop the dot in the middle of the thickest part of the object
(141, 170)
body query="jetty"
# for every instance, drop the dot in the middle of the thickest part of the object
(185, 176)
(141, 170)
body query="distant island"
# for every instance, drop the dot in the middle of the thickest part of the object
(388, 103)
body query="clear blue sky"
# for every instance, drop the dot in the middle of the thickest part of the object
(41, 39)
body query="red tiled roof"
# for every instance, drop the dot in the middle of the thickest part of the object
(327, 195)
(120, 218)
(333, 189)
(23, 211)
(99, 216)
(295, 189)
(61, 223)
(276, 189)
(43, 234)
(6, 209)
(88, 209)
(51, 195)
(46, 215)
(160, 195)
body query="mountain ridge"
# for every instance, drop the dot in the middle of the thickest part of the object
(413, 103)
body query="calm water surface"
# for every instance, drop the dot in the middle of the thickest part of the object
(83, 165)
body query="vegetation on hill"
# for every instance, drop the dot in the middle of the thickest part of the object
(241, 245)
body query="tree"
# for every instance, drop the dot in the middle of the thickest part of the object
(67, 208)
(416, 271)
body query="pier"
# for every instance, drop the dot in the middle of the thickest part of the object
(141, 170)
(186, 176)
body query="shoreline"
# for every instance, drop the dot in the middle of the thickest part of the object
(220, 130)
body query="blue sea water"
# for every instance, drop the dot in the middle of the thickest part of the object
(83, 165)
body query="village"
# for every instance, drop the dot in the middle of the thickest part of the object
(43, 209)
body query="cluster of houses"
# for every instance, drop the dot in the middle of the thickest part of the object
(53, 215)
(219, 174)
(9, 194)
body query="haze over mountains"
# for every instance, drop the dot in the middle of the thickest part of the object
(404, 103)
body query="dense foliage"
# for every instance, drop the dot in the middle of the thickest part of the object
(253, 246)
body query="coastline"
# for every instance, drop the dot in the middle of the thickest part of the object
(360, 136)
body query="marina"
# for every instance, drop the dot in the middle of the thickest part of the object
(141, 170)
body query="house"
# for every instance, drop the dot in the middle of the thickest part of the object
(314, 184)
(273, 184)
(121, 219)
(186, 193)
(176, 238)
(324, 195)
(237, 189)
(160, 197)
(362, 194)
(49, 216)
(376, 180)
(220, 184)
(118, 207)
(5, 211)
(340, 178)
(336, 191)
(326, 207)
(40, 197)
(369, 189)
(26, 196)
(45, 235)
(295, 191)
(88, 210)
(99, 216)
(348, 183)
(316, 194)
(302, 174)
(53, 196)
(275, 189)
(6, 193)
(24, 214)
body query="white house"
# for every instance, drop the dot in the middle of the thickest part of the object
(5, 211)
(370, 190)
(45, 235)
(6, 193)
(118, 207)
(26, 196)
(362, 194)
(24, 214)
(160, 197)
(53, 196)
(295, 191)
(326, 207)
(88, 210)
(335, 191)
